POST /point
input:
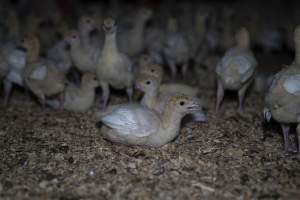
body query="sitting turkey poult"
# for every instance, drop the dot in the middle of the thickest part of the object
(41, 76)
(156, 71)
(156, 99)
(114, 68)
(282, 101)
(78, 99)
(236, 69)
(134, 124)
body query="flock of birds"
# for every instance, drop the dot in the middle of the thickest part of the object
(48, 58)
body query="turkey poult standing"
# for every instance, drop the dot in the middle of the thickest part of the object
(282, 102)
(41, 76)
(114, 68)
(134, 124)
(176, 49)
(236, 69)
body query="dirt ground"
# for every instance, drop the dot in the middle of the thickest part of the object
(49, 154)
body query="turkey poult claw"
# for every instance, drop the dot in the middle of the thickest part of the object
(236, 69)
(282, 101)
(134, 124)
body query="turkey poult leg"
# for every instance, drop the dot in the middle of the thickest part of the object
(61, 98)
(173, 69)
(241, 95)
(7, 91)
(184, 70)
(298, 136)
(287, 143)
(105, 93)
(220, 96)
(129, 92)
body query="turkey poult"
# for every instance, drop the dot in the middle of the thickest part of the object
(134, 124)
(84, 57)
(40, 75)
(282, 101)
(132, 41)
(78, 99)
(156, 71)
(176, 50)
(155, 99)
(13, 60)
(236, 69)
(114, 68)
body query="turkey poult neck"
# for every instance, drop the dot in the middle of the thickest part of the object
(138, 29)
(110, 43)
(33, 54)
(243, 43)
(243, 39)
(150, 97)
(84, 38)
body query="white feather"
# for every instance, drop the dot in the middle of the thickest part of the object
(292, 85)
(39, 73)
(15, 77)
(17, 59)
(132, 120)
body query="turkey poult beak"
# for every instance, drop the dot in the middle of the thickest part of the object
(195, 105)
(111, 29)
(109, 26)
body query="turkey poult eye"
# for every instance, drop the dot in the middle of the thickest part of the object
(148, 82)
(181, 103)
(152, 70)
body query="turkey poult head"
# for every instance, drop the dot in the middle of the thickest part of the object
(109, 26)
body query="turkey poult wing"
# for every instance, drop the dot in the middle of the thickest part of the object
(71, 92)
(17, 59)
(131, 119)
(39, 73)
